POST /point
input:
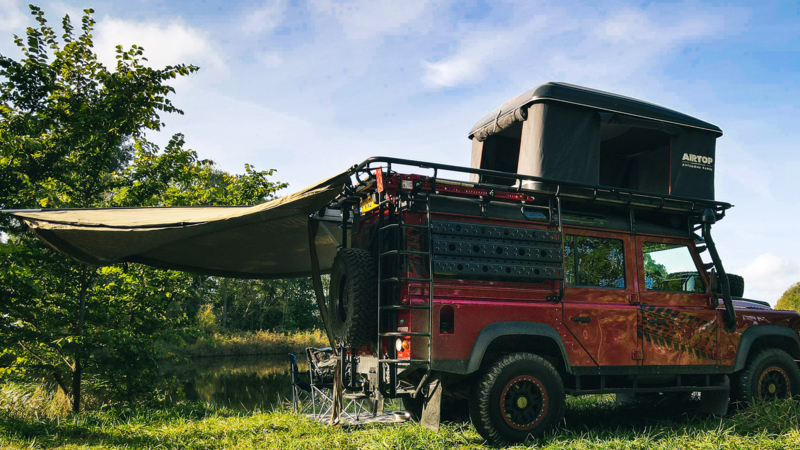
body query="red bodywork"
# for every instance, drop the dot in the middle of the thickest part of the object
(629, 326)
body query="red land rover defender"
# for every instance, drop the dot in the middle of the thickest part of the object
(577, 259)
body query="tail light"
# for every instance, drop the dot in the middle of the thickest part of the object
(403, 347)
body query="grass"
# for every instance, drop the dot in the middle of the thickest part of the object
(591, 423)
(254, 343)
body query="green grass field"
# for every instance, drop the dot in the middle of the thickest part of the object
(590, 423)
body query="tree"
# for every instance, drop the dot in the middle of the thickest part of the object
(68, 124)
(252, 305)
(790, 299)
(72, 134)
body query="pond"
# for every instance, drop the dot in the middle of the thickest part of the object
(240, 382)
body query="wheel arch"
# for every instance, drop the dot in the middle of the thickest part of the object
(759, 337)
(505, 337)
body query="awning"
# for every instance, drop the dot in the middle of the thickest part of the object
(269, 240)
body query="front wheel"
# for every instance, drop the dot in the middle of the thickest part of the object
(520, 396)
(771, 374)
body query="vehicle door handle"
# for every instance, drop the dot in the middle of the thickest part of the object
(658, 321)
(583, 319)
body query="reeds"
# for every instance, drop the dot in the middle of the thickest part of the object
(255, 343)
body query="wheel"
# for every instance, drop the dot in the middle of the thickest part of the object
(736, 284)
(771, 374)
(352, 303)
(519, 396)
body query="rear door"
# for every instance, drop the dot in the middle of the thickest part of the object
(599, 300)
(678, 323)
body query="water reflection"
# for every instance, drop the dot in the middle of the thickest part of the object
(243, 382)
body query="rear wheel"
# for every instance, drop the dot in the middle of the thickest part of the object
(520, 396)
(770, 375)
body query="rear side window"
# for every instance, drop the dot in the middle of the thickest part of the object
(671, 268)
(594, 262)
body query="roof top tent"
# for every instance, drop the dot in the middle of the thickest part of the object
(563, 132)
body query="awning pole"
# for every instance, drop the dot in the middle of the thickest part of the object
(316, 280)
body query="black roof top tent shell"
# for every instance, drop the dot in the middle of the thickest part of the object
(593, 98)
(570, 133)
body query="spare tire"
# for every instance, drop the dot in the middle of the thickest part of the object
(736, 284)
(353, 299)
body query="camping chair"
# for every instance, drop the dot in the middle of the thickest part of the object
(301, 391)
(316, 396)
(321, 370)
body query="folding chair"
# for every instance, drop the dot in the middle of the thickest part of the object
(316, 396)
(301, 391)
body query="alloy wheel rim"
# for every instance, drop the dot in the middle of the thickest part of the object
(773, 384)
(523, 402)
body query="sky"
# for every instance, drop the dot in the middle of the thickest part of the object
(310, 87)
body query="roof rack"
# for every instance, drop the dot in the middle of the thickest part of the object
(567, 191)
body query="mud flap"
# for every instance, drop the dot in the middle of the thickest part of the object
(716, 402)
(432, 406)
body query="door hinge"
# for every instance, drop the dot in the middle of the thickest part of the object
(637, 354)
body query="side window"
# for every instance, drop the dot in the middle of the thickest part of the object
(594, 262)
(670, 267)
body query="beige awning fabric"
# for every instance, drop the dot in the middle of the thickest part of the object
(269, 240)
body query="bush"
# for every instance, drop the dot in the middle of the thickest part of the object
(207, 320)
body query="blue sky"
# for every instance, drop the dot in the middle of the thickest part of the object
(309, 87)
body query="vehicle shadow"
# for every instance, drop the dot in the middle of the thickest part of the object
(659, 417)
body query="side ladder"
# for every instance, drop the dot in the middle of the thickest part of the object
(392, 233)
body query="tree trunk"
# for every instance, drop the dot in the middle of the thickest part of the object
(78, 370)
(76, 386)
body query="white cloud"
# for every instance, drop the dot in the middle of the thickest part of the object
(768, 276)
(635, 27)
(167, 43)
(265, 18)
(477, 53)
(577, 46)
(12, 18)
(467, 65)
(367, 19)
(303, 147)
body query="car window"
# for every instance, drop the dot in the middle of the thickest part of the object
(594, 262)
(670, 267)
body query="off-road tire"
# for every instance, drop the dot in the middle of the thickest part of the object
(770, 367)
(736, 284)
(501, 387)
(352, 303)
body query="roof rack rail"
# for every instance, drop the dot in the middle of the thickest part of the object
(609, 196)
